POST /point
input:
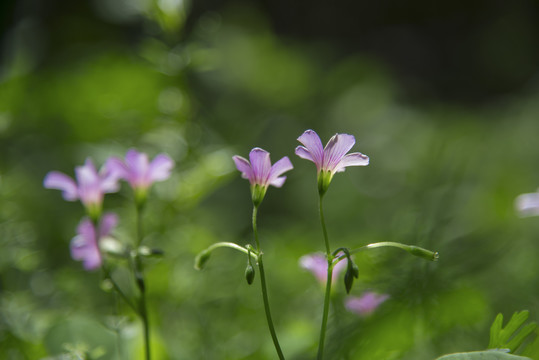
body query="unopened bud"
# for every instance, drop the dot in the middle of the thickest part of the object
(106, 285)
(355, 270)
(424, 253)
(349, 280)
(148, 252)
(201, 259)
(249, 274)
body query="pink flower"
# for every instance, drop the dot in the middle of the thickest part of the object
(331, 159)
(85, 246)
(90, 186)
(317, 264)
(261, 173)
(138, 171)
(528, 204)
(366, 303)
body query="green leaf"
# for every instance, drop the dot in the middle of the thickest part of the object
(482, 355)
(510, 337)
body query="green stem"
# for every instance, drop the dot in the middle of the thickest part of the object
(264, 289)
(412, 249)
(233, 246)
(117, 288)
(326, 312)
(324, 230)
(139, 277)
(328, 283)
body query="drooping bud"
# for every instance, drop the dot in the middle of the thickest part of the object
(201, 259)
(355, 270)
(249, 274)
(349, 279)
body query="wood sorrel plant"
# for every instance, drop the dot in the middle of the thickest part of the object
(261, 175)
(329, 160)
(93, 239)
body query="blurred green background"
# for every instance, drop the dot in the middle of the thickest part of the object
(443, 97)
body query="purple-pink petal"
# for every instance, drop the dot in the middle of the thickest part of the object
(303, 153)
(60, 181)
(279, 168)
(138, 171)
(116, 167)
(366, 303)
(107, 223)
(313, 145)
(160, 168)
(84, 246)
(244, 167)
(138, 165)
(527, 204)
(260, 165)
(335, 150)
(108, 181)
(353, 159)
(317, 264)
(89, 183)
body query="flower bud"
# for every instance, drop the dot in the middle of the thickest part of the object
(201, 259)
(355, 270)
(106, 285)
(149, 252)
(249, 274)
(349, 279)
(424, 253)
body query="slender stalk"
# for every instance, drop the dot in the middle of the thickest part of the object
(324, 230)
(118, 290)
(232, 246)
(139, 277)
(326, 313)
(328, 283)
(264, 289)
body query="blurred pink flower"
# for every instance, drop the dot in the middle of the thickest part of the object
(366, 303)
(138, 171)
(317, 264)
(85, 246)
(90, 186)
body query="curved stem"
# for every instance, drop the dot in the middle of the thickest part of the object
(118, 289)
(412, 249)
(264, 290)
(232, 246)
(327, 296)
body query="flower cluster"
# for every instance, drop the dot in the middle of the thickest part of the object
(90, 187)
(329, 160)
